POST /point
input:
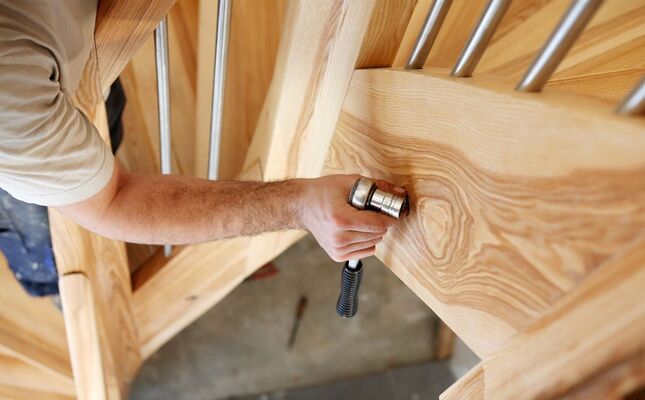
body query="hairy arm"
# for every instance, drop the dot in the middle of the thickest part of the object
(159, 209)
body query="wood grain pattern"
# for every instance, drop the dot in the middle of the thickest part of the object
(575, 342)
(32, 330)
(255, 32)
(387, 27)
(504, 220)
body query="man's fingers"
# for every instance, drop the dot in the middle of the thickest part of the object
(354, 247)
(346, 238)
(359, 254)
(369, 221)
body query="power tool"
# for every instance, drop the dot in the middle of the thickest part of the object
(365, 195)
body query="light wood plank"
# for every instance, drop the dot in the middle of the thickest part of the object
(32, 329)
(188, 284)
(385, 32)
(17, 373)
(596, 327)
(83, 330)
(18, 393)
(515, 197)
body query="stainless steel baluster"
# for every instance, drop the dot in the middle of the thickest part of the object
(634, 102)
(556, 47)
(163, 102)
(480, 37)
(219, 80)
(428, 35)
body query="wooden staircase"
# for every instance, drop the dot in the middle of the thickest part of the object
(527, 229)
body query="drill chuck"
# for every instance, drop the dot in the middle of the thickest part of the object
(365, 195)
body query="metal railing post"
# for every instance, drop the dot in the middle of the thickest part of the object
(219, 80)
(634, 102)
(428, 35)
(163, 102)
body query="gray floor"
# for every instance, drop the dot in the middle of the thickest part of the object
(239, 348)
(424, 381)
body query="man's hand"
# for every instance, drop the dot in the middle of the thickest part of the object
(343, 231)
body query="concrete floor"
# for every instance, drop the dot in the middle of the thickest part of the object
(239, 348)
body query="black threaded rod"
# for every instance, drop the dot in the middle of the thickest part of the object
(350, 283)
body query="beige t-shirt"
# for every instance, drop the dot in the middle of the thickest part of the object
(50, 154)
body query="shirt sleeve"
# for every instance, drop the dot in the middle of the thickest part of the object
(50, 154)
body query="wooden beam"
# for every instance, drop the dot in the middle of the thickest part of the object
(82, 319)
(188, 284)
(595, 328)
(104, 263)
(32, 329)
(515, 197)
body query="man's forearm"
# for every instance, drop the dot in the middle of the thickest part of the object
(178, 210)
(182, 209)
